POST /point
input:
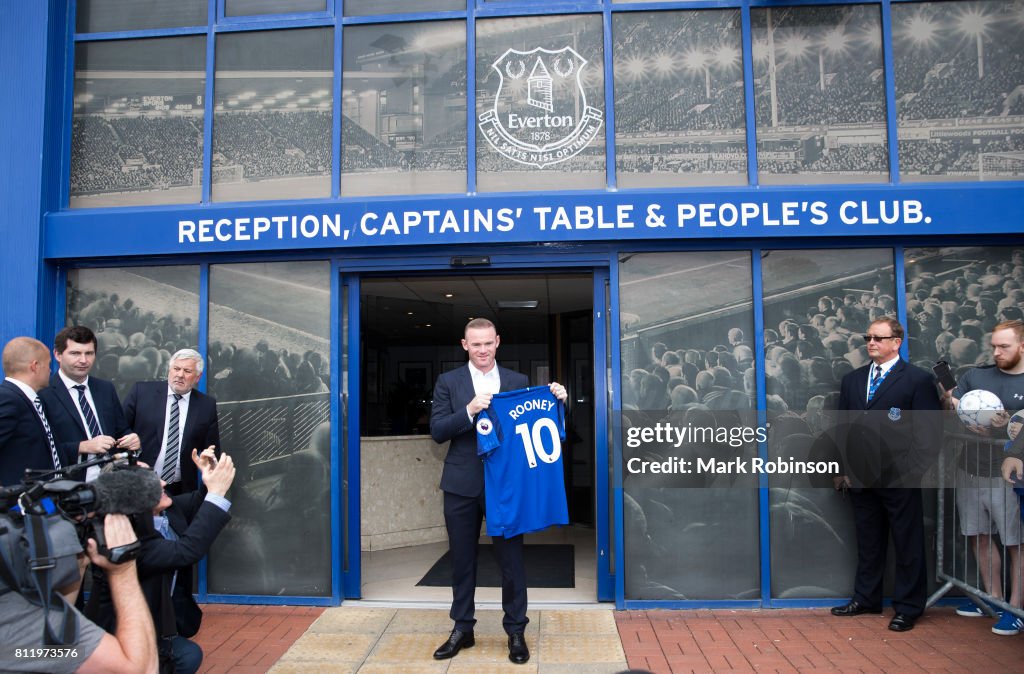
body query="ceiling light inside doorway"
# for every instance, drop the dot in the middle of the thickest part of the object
(517, 304)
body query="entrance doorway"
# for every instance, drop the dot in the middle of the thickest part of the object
(409, 332)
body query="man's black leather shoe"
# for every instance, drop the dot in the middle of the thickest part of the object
(517, 650)
(901, 622)
(853, 608)
(457, 640)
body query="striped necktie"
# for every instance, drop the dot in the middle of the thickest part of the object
(49, 434)
(168, 470)
(90, 418)
(876, 379)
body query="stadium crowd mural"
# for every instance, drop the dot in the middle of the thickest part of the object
(679, 110)
(269, 369)
(691, 361)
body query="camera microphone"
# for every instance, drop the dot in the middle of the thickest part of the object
(130, 491)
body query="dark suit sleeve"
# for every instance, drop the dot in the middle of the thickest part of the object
(121, 427)
(927, 411)
(447, 418)
(160, 555)
(130, 403)
(10, 473)
(213, 429)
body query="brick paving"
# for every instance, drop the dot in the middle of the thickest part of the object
(243, 639)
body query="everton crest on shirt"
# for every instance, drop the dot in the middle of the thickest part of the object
(520, 439)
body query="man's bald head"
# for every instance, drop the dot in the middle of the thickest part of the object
(27, 360)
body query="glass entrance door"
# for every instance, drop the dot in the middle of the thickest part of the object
(404, 331)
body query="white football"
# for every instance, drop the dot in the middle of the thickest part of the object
(978, 408)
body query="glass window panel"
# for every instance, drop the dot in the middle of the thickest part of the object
(273, 115)
(679, 118)
(686, 321)
(380, 7)
(819, 88)
(959, 96)
(403, 125)
(540, 107)
(817, 303)
(141, 315)
(137, 128)
(101, 16)
(254, 7)
(954, 298)
(269, 357)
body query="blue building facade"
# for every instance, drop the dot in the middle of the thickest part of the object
(686, 208)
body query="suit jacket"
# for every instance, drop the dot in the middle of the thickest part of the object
(23, 442)
(892, 440)
(145, 410)
(66, 422)
(197, 524)
(463, 472)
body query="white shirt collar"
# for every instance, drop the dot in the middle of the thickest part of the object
(184, 397)
(69, 382)
(25, 388)
(476, 372)
(887, 365)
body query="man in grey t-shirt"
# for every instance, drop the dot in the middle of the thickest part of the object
(983, 498)
(131, 648)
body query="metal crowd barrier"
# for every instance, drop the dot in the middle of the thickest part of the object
(964, 457)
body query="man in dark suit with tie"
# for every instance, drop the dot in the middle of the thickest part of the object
(890, 431)
(172, 419)
(26, 440)
(179, 533)
(85, 413)
(459, 395)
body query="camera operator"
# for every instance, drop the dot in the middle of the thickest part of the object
(132, 648)
(176, 535)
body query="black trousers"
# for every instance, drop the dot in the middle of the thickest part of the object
(462, 518)
(876, 514)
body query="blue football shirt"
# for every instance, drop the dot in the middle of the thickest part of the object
(520, 439)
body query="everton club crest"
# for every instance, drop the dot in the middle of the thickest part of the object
(540, 115)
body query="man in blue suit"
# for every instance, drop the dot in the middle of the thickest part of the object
(459, 395)
(84, 412)
(25, 437)
(890, 432)
(172, 418)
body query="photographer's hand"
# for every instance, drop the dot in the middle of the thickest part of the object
(219, 477)
(118, 531)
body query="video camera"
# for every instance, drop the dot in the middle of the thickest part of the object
(46, 520)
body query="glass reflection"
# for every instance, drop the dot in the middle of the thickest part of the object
(255, 7)
(686, 321)
(679, 116)
(272, 115)
(959, 102)
(141, 315)
(540, 108)
(816, 306)
(820, 94)
(269, 370)
(101, 16)
(403, 125)
(955, 296)
(381, 7)
(137, 130)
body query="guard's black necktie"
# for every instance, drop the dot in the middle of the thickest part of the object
(173, 449)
